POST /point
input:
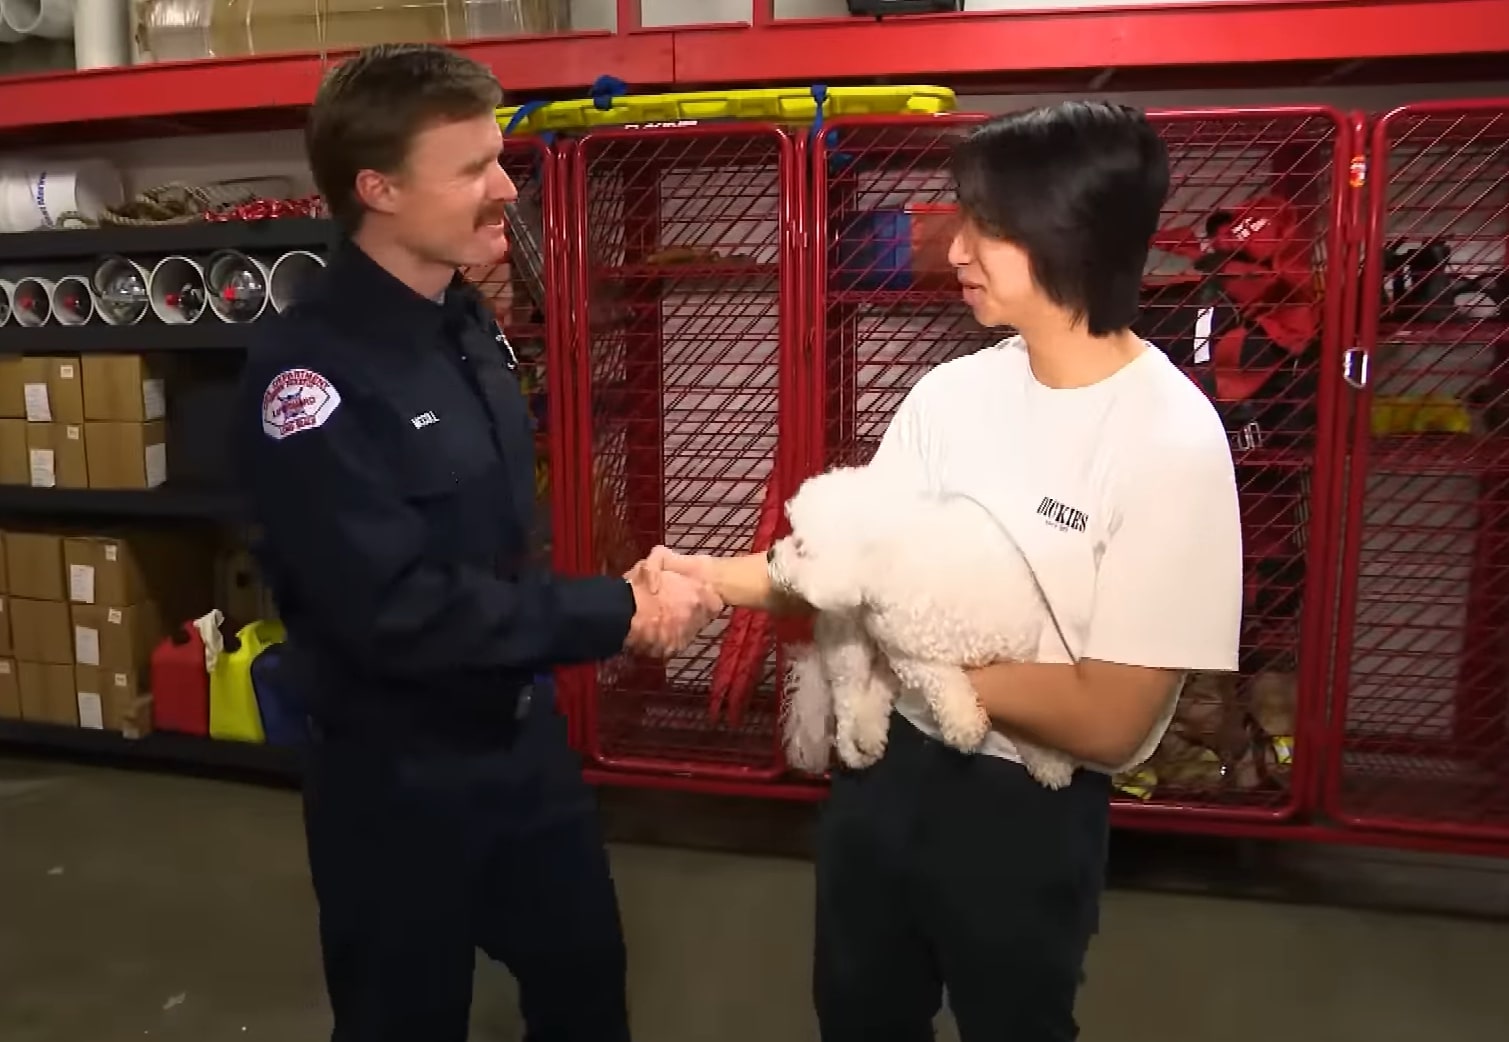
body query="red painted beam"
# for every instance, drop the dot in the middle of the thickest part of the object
(285, 81)
(982, 43)
(949, 48)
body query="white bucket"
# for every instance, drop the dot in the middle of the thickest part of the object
(101, 34)
(18, 212)
(34, 195)
(120, 291)
(290, 272)
(176, 290)
(31, 302)
(237, 286)
(72, 301)
(50, 18)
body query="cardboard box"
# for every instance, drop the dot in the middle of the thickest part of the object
(10, 691)
(111, 700)
(47, 693)
(36, 397)
(104, 570)
(55, 454)
(6, 648)
(12, 388)
(115, 637)
(127, 455)
(15, 468)
(172, 568)
(129, 388)
(52, 390)
(34, 566)
(41, 631)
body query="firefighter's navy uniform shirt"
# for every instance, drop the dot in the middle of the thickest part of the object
(387, 462)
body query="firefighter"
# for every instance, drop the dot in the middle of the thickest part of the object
(388, 466)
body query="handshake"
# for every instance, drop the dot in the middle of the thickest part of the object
(674, 598)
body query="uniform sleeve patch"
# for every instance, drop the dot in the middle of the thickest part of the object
(297, 400)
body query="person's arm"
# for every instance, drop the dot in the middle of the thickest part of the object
(342, 535)
(1168, 600)
(740, 582)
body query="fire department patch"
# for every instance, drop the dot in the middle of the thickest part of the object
(297, 400)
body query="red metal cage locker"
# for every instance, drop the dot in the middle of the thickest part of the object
(686, 266)
(1420, 723)
(1235, 291)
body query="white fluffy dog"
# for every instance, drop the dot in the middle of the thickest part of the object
(910, 591)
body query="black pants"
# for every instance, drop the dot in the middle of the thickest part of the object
(936, 869)
(421, 857)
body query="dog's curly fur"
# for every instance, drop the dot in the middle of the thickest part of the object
(911, 590)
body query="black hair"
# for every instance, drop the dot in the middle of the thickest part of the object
(1078, 187)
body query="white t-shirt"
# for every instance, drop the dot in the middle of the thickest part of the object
(1122, 495)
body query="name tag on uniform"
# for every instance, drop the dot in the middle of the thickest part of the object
(424, 419)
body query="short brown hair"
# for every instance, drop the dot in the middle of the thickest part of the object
(370, 108)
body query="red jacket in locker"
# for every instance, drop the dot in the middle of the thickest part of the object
(1263, 263)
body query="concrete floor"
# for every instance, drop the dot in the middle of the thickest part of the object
(135, 905)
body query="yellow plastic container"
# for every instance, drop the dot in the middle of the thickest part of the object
(233, 703)
(773, 105)
(1419, 414)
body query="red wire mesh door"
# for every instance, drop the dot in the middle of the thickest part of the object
(880, 321)
(1243, 292)
(1419, 718)
(685, 276)
(1245, 313)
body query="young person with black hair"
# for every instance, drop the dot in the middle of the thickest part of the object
(1113, 473)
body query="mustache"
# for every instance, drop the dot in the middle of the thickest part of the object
(492, 214)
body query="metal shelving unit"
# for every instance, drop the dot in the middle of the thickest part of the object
(168, 501)
(149, 337)
(283, 233)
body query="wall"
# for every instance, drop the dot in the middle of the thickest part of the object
(35, 55)
(693, 12)
(32, 56)
(689, 12)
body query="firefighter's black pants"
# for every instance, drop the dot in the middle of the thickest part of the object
(421, 856)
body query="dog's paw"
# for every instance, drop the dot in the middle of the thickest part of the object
(858, 759)
(1050, 770)
(966, 728)
(870, 729)
(807, 760)
(854, 753)
(871, 746)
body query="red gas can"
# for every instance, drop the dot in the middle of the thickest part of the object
(180, 684)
